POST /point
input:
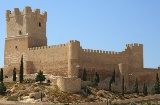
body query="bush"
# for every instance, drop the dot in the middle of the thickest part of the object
(96, 79)
(2, 88)
(28, 80)
(145, 90)
(135, 87)
(40, 77)
(87, 90)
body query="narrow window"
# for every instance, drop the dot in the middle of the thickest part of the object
(39, 24)
(16, 48)
(20, 32)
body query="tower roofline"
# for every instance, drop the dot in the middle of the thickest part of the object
(26, 11)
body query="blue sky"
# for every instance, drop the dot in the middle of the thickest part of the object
(97, 24)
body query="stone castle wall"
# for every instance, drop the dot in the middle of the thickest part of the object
(104, 62)
(50, 59)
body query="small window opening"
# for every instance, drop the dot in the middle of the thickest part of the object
(16, 47)
(20, 32)
(39, 24)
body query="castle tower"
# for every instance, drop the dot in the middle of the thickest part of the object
(24, 30)
(136, 55)
(73, 58)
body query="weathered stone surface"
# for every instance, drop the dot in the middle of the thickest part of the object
(69, 84)
(36, 95)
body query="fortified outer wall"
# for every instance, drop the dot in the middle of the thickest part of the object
(104, 62)
(144, 75)
(49, 59)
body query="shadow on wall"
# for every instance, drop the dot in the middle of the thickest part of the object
(30, 68)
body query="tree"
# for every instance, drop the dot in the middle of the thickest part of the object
(1, 75)
(2, 88)
(114, 76)
(112, 80)
(14, 74)
(97, 75)
(110, 85)
(84, 77)
(21, 71)
(157, 78)
(156, 85)
(40, 77)
(135, 87)
(96, 78)
(145, 90)
(123, 86)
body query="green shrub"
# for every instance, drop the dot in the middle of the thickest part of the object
(28, 80)
(14, 74)
(135, 87)
(84, 77)
(2, 88)
(40, 77)
(21, 71)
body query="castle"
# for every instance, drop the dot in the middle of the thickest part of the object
(26, 35)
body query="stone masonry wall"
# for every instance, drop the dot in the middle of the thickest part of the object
(69, 84)
(49, 59)
(23, 30)
(104, 62)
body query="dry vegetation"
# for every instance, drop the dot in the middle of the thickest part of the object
(51, 93)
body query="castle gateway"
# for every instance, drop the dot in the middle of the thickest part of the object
(26, 35)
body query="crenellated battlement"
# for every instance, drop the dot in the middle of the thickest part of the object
(73, 41)
(46, 47)
(26, 12)
(100, 51)
(131, 46)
